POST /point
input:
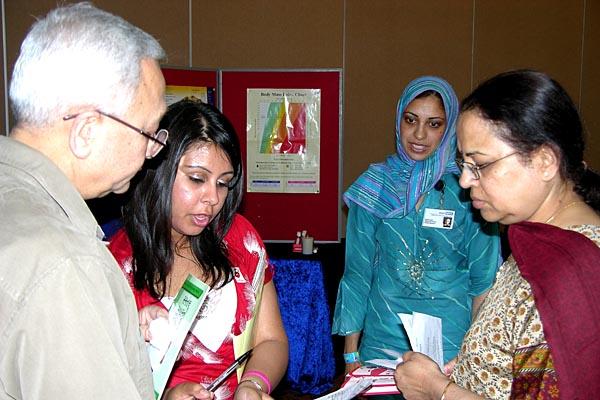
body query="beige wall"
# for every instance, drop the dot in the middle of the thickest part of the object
(381, 45)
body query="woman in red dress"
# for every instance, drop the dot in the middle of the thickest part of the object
(182, 220)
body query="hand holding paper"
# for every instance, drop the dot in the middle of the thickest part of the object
(146, 317)
(425, 335)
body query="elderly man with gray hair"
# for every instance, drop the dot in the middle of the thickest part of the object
(87, 94)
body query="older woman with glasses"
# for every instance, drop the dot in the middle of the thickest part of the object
(536, 334)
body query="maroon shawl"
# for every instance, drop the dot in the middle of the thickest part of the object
(563, 269)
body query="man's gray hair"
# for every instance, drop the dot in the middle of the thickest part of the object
(78, 56)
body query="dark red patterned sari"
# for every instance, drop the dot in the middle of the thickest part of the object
(563, 270)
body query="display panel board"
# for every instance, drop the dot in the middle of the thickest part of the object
(289, 125)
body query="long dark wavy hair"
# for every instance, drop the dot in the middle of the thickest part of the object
(530, 109)
(147, 215)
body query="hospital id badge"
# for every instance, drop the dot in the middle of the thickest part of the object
(437, 218)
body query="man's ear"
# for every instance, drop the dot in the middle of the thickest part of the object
(83, 133)
(548, 162)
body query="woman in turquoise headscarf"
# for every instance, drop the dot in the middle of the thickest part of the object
(413, 242)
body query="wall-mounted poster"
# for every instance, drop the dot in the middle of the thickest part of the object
(190, 83)
(283, 140)
(174, 93)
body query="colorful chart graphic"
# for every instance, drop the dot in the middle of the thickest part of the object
(284, 131)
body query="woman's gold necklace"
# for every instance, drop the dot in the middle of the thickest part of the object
(563, 208)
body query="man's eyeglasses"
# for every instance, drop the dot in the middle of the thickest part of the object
(158, 140)
(474, 168)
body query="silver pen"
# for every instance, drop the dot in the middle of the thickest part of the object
(225, 374)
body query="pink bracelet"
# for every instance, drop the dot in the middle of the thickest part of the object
(259, 375)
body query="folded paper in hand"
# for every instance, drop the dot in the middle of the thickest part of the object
(425, 335)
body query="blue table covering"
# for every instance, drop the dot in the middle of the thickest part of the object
(305, 315)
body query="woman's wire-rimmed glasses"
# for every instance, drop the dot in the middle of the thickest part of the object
(158, 140)
(475, 168)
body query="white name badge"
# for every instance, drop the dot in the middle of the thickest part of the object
(436, 218)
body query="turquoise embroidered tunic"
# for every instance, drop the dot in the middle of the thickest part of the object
(397, 265)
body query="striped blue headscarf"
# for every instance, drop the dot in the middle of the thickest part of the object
(392, 188)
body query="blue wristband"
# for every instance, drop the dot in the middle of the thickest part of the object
(350, 358)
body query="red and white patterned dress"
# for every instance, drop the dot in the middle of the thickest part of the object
(208, 348)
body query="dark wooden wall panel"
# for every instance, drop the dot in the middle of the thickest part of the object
(267, 34)
(165, 20)
(389, 43)
(540, 34)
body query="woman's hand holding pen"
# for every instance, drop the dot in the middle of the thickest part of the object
(188, 391)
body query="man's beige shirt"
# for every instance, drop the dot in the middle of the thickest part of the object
(68, 322)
